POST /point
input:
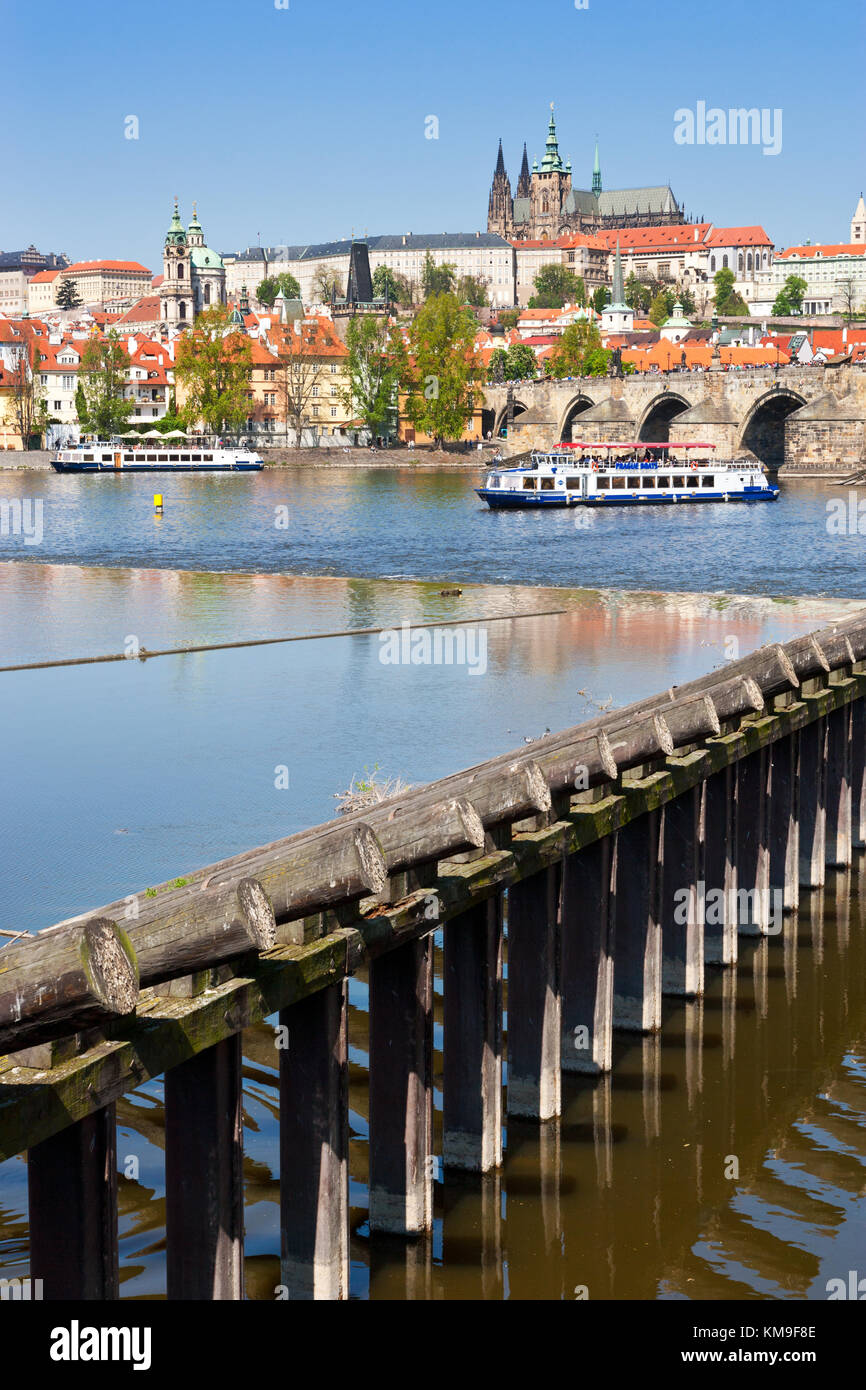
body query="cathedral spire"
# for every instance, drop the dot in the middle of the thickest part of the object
(523, 184)
(596, 172)
(617, 300)
(551, 160)
(500, 162)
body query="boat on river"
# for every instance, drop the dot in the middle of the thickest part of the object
(169, 455)
(631, 474)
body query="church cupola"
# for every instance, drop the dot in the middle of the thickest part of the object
(175, 236)
(551, 161)
(194, 233)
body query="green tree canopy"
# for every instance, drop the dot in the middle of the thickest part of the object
(600, 296)
(213, 367)
(442, 371)
(437, 279)
(579, 352)
(391, 285)
(789, 300)
(377, 360)
(638, 294)
(67, 296)
(726, 299)
(556, 285)
(103, 376)
(471, 290)
(276, 284)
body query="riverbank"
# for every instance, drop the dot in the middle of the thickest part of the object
(423, 457)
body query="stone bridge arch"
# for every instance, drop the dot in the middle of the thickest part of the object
(762, 431)
(655, 422)
(502, 416)
(572, 411)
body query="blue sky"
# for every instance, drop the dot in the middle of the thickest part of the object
(300, 124)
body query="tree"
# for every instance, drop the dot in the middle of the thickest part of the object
(556, 285)
(517, 363)
(284, 283)
(437, 279)
(600, 296)
(67, 296)
(389, 284)
(103, 375)
(472, 290)
(789, 300)
(29, 408)
(579, 352)
(638, 295)
(442, 369)
(847, 288)
(326, 285)
(726, 300)
(300, 374)
(507, 318)
(658, 310)
(376, 363)
(213, 366)
(687, 300)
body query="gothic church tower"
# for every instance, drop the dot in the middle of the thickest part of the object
(500, 210)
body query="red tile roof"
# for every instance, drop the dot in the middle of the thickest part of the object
(738, 236)
(844, 248)
(44, 277)
(81, 267)
(145, 311)
(681, 236)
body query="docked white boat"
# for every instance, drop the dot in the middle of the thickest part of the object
(603, 475)
(148, 456)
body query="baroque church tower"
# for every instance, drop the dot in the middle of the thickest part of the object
(175, 292)
(499, 207)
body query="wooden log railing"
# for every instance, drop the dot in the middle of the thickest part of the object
(593, 856)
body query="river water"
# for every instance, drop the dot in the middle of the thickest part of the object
(117, 776)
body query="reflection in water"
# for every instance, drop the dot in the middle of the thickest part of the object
(723, 1158)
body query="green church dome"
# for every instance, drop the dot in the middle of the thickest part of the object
(175, 236)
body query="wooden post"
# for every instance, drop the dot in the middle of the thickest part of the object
(72, 1193)
(838, 787)
(534, 1010)
(472, 1060)
(204, 1206)
(588, 903)
(314, 1146)
(682, 916)
(751, 841)
(784, 824)
(637, 973)
(813, 817)
(858, 774)
(720, 870)
(401, 1089)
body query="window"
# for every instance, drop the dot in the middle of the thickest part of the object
(618, 482)
(58, 405)
(602, 482)
(163, 458)
(572, 484)
(648, 480)
(679, 481)
(708, 482)
(712, 262)
(529, 484)
(181, 309)
(315, 391)
(333, 368)
(207, 294)
(693, 480)
(724, 262)
(664, 482)
(333, 410)
(547, 485)
(180, 270)
(69, 383)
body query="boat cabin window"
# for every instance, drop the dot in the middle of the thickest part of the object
(163, 458)
(208, 458)
(618, 482)
(150, 458)
(529, 484)
(708, 481)
(184, 458)
(602, 481)
(106, 458)
(547, 484)
(693, 480)
(664, 481)
(492, 481)
(648, 481)
(129, 458)
(572, 483)
(679, 481)
(172, 458)
(88, 458)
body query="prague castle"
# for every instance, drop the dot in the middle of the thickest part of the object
(546, 203)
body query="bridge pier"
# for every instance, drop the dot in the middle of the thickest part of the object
(534, 1005)
(588, 944)
(314, 1147)
(401, 1089)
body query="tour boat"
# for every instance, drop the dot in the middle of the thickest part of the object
(603, 475)
(151, 456)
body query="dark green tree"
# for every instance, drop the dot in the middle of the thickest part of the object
(389, 284)
(442, 370)
(67, 296)
(556, 285)
(377, 360)
(437, 279)
(103, 376)
(272, 286)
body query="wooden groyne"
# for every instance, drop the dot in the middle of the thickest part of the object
(614, 861)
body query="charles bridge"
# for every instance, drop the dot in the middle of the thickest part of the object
(799, 420)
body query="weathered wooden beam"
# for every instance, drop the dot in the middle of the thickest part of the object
(195, 928)
(72, 1202)
(637, 969)
(588, 945)
(718, 899)
(837, 785)
(752, 844)
(314, 1146)
(204, 1197)
(472, 1050)
(451, 826)
(34, 1106)
(63, 980)
(682, 918)
(813, 815)
(784, 823)
(534, 1010)
(401, 1089)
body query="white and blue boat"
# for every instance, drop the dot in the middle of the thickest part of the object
(148, 456)
(632, 474)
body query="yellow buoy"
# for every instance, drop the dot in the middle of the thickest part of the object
(157, 501)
